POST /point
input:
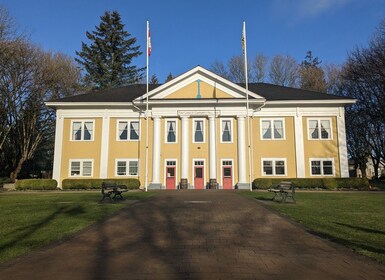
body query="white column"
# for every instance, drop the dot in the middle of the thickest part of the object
(212, 147)
(104, 147)
(58, 148)
(242, 183)
(344, 166)
(299, 146)
(156, 154)
(185, 147)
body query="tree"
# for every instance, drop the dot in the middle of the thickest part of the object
(312, 76)
(169, 77)
(220, 69)
(107, 60)
(283, 71)
(259, 68)
(28, 77)
(154, 80)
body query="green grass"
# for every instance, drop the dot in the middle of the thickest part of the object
(31, 220)
(355, 220)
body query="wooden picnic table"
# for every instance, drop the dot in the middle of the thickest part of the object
(113, 191)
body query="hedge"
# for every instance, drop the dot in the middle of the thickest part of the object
(36, 184)
(87, 184)
(314, 183)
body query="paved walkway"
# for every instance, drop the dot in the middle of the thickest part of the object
(194, 235)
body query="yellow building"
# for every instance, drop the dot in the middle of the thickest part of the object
(200, 133)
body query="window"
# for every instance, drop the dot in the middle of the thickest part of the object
(319, 129)
(274, 167)
(322, 167)
(128, 130)
(82, 131)
(272, 129)
(81, 168)
(127, 167)
(171, 131)
(227, 162)
(171, 163)
(199, 131)
(226, 131)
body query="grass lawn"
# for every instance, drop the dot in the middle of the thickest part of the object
(353, 219)
(30, 220)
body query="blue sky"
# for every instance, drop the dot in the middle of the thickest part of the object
(189, 33)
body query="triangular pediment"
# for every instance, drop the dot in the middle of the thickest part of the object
(198, 83)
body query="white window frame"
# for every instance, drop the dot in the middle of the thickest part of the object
(231, 130)
(128, 132)
(203, 130)
(274, 160)
(127, 160)
(166, 131)
(232, 169)
(82, 130)
(271, 120)
(81, 168)
(322, 167)
(319, 129)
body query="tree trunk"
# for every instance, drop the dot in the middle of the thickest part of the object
(17, 170)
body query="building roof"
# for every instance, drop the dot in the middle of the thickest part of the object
(268, 91)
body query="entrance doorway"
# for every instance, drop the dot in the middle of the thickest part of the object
(170, 175)
(199, 178)
(227, 175)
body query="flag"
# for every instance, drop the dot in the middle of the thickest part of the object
(244, 39)
(148, 42)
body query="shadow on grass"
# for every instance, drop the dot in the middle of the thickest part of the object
(368, 230)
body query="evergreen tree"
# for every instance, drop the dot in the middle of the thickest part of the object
(154, 80)
(312, 76)
(169, 77)
(107, 60)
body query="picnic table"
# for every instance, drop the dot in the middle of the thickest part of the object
(282, 191)
(113, 191)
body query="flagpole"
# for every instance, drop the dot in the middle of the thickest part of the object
(147, 50)
(247, 101)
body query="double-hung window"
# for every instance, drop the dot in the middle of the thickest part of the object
(128, 130)
(272, 129)
(227, 134)
(199, 131)
(82, 130)
(273, 167)
(319, 129)
(322, 167)
(81, 168)
(171, 131)
(127, 167)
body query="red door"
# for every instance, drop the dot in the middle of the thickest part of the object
(170, 178)
(227, 179)
(198, 178)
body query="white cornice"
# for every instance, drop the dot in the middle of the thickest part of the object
(312, 102)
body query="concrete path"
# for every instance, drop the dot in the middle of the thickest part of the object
(194, 235)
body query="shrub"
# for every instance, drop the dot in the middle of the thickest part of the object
(314, 183)
(87, 184)
(36, 184)
(4, 180)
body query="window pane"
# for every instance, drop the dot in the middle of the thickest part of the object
(198, 137)
(134, 130)
(328, 167)
(315, 167)
(87, 168)
(267, 167)
(313, 129)
(266, 129)
(133, 168)
(122, 167)
(171, 137)
(226, 134)
(75, 168)
(325, 129)
(123, 126)
(278, 129)
(88, 130)
(76, 131)
(227, 172)
(279, 167)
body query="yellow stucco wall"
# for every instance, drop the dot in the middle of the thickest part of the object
(274, 148)
(191, 91)
(72, 150)
(321, 148)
